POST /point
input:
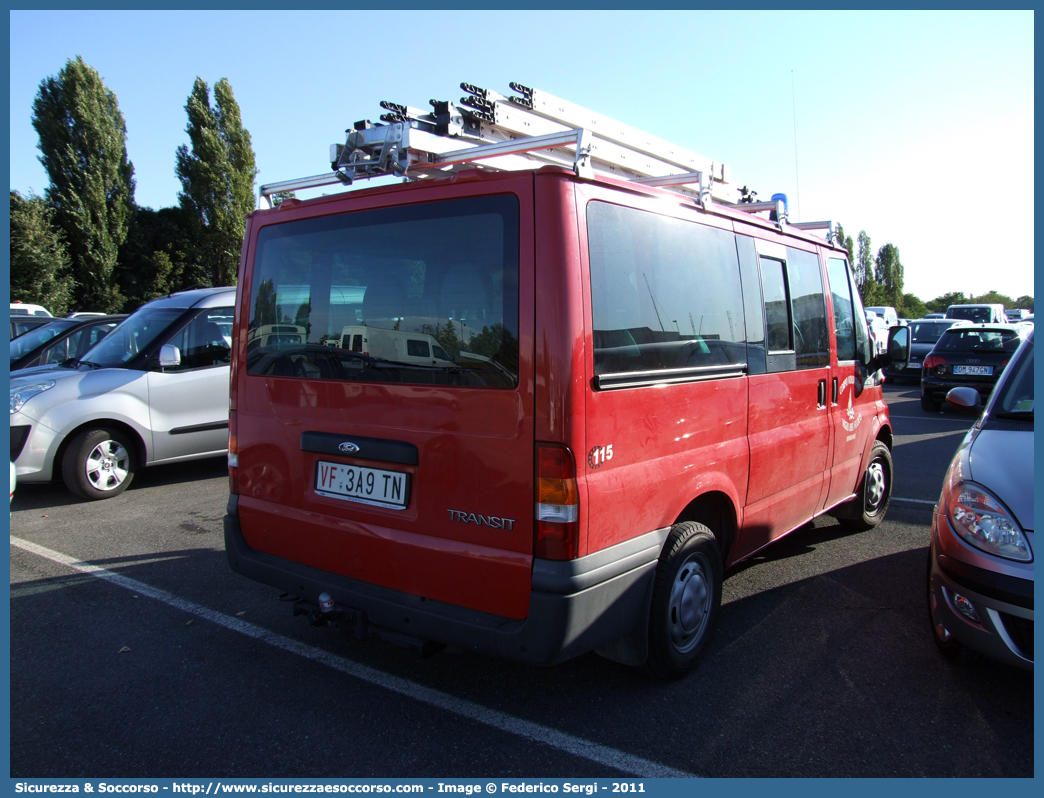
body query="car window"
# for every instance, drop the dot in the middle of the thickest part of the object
(202, 342)
(977, 340)
(24, 344)
(1017, 392)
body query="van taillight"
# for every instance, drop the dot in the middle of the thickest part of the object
(233, 454)
(557, 529)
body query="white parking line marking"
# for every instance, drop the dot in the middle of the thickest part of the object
(913, 501)
(576, 746)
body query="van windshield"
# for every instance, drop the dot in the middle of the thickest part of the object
(131, 336)
(424, 293)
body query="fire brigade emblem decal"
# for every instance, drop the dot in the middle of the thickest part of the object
(850, 418)
(347, 447)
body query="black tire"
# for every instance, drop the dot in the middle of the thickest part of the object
(685, 600)
(948, 645)
(929, 404)
(868, 509)
(98, 464)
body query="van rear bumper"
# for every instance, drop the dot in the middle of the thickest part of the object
(575, 606)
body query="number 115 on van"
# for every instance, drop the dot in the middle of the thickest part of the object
(363, 485)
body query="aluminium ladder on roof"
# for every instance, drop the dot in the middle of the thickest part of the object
(489, 131)
(419, 144)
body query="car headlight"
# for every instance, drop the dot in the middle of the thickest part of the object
(981, 520)
(20, 394)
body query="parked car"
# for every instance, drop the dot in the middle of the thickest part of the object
(60, 340)
(879, 331)
(972, 355)
(924, 335)
(934, 316)
(154, 390)
(21, 323)
(980, 562)
(26, 309)
(82, 314)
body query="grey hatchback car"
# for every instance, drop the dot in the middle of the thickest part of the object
(154, 390)
(980, 563)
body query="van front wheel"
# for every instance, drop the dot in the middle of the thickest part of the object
(868, 509)
(685, 601)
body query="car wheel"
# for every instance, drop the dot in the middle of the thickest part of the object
(868, 509)
(948, 645)
(685, 600)
(98, 464)
(928, 404)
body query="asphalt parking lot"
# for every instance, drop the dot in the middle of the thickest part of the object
(135, 651)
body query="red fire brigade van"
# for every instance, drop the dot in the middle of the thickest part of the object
(644, 386)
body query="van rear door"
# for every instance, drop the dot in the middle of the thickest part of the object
(413, 476)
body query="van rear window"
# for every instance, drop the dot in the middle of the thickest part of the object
(423, 293)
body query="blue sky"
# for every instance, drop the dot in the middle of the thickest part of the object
(914, 126)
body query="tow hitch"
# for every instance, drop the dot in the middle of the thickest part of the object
(353, 623)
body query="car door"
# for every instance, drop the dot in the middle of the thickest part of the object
(188, 403)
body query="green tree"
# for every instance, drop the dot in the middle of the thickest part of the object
(913, 307)
(1025, 302)
(40, 266)
(863, 271)
(155, 258)
(888, 272)
(940, 303)
(217, 179)
(846, 242)
(994, 298)
(83, 145)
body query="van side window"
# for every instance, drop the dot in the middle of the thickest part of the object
(665, 294)
(844, 314)
(777, 306)
(808, 301)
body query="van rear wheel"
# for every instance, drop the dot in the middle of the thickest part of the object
(685, 601)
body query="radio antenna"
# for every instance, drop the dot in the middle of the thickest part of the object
(797, 184)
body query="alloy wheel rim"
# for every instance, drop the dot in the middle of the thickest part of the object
(107, 465)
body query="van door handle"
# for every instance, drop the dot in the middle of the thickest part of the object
(833, 392)
(822, 393)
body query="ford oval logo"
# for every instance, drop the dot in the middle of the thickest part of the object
(347, 447)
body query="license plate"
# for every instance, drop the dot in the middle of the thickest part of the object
(363, 485)
(979, 371)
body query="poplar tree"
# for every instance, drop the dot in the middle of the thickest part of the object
(83, 145)
(864, 270)
(39, 261)
(889, 275)
(217, 177)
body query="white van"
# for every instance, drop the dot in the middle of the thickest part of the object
(889, 314)
(398, 345)
(978, 314)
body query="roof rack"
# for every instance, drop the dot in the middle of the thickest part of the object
(489, 131)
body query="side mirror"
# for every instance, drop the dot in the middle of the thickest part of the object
(964, 399)
(897, 351)
(169, 356)
(899, 347)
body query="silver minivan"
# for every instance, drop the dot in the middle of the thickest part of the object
(155, 390)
